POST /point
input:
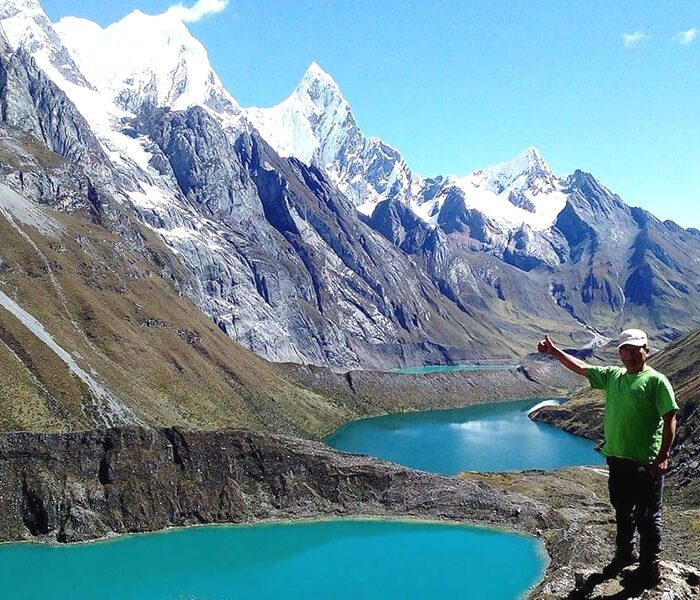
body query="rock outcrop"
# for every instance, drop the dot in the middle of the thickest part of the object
(584, 545)
(81, 486)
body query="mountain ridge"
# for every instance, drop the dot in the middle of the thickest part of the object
(287, 257)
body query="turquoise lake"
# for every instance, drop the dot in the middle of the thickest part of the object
(334, 559)
(343, 559)
(486, 437)
(451, 368)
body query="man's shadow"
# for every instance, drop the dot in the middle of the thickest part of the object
(585, 589)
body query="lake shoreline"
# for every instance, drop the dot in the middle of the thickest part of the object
(110, 485)
(360, 394)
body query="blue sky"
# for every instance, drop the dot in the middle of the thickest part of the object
(612, 88)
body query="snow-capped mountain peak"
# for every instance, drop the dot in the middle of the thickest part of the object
(320, 88)
(315, 71)
(26, 26)
(311, 124)
(520, 192)
(146, 59)
(315, 125)
(527, 170)
(315, 74)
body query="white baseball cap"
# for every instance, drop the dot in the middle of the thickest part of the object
(633, 337)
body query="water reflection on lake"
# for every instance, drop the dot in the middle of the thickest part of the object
(487, 437)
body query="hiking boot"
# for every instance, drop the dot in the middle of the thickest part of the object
(644, 577)
(619, 562)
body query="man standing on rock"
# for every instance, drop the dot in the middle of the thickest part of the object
(639, 428)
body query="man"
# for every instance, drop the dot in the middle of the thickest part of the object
(639, 428)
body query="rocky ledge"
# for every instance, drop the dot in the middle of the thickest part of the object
(583, 545)
(87, 485)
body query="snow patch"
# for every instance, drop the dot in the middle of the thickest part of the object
(543, 403)
(13, 205)
(149, 197)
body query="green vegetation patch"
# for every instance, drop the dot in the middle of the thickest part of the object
(37, 390)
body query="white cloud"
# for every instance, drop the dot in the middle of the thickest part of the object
(633, 39)
(685, 37)
(199, 10)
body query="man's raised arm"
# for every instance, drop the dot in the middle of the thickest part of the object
(570, 362)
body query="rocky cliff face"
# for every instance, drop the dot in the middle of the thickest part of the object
(81, 486)
(276, 243)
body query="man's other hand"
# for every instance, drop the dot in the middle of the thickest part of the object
(659, 466)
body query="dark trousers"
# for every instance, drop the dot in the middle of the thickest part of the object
(636, 497)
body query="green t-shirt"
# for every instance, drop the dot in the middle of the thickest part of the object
(634, 406)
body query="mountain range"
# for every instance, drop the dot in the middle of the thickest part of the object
(298, 236)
